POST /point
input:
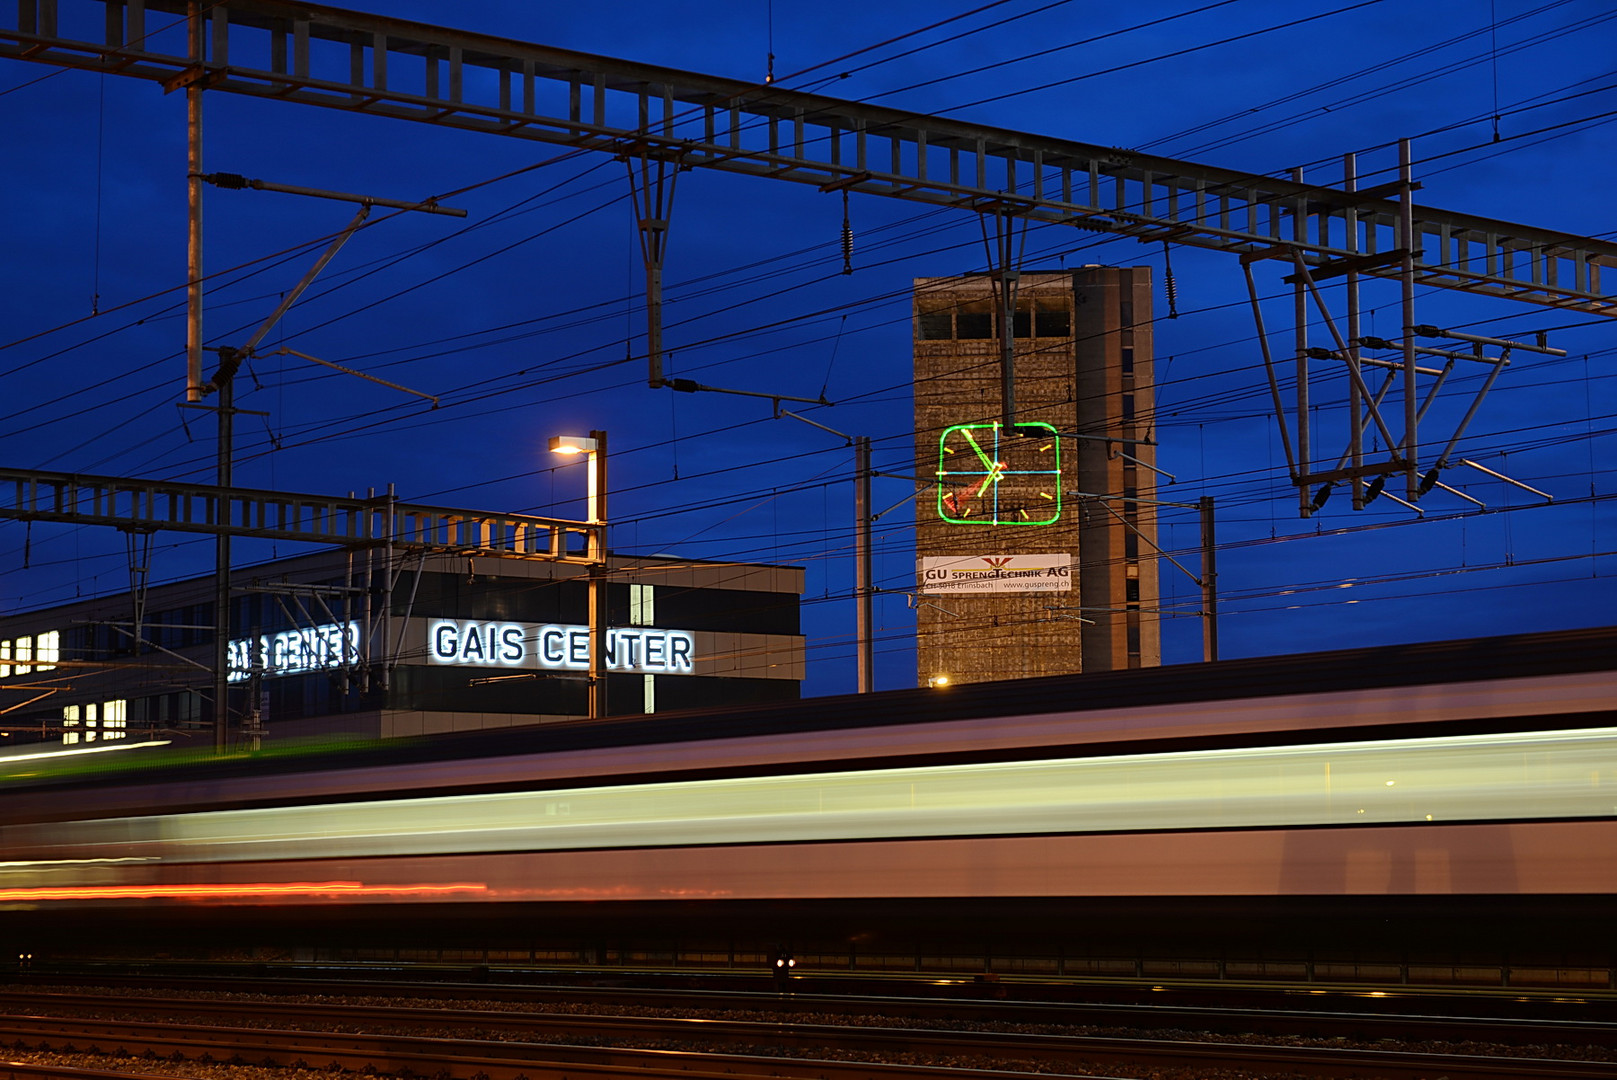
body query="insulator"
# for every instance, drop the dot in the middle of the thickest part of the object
(847, 236)
(1169, 285)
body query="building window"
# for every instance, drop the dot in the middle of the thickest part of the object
(1051, 322)
(1125, 313)
(934, 326)
(974, 321)
(85, 723)
(114, 719)
(1128, 360)
(179, 710)
(48, 649)
(32, 653)
(642, 606)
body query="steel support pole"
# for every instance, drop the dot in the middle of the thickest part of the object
(657, 231)
(221, 572)
(193, 208)
(652, 198)
(1305, 457)
(389, 554)
(597, 578)
(1406, 240)
(1350, 216)
(862, 589)
(1209, 580)
(1005, 256)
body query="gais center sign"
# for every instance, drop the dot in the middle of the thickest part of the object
(556, 647)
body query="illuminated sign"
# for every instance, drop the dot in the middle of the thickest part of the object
(989, 474)
(558, 647)
(996, 574)
(295, 652)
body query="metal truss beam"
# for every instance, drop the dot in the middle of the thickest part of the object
(76, 499)
(372, 64)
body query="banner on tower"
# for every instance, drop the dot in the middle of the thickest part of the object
(995, 574)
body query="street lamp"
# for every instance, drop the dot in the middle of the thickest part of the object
(595, 447)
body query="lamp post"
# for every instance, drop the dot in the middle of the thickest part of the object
(595, 447)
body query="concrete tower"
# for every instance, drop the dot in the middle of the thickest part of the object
(1035, 543)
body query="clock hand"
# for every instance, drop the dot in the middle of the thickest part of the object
(992, 465)
(996, 471)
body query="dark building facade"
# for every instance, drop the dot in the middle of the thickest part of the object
(1035, 541)
(335, 645)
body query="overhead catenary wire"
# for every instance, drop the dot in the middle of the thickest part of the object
(844, 316)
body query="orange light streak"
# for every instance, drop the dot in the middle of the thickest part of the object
(246, 889)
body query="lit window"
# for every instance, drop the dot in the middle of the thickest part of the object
(114, 719)
(23, 649)
(48, 650)
(642, 606)
(5, 654)
(86, 723)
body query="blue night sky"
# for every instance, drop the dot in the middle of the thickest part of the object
(525, 317)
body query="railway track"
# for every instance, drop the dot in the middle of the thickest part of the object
(1266, 1020)
(827, 991)
(504, 1045)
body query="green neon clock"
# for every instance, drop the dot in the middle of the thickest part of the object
(992, 475)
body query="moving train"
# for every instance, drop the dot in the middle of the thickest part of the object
(1462, 792)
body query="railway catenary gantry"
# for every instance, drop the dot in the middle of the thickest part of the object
(381, 66)
(662, 121)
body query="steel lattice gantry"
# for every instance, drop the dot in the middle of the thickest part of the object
(374, 524)
(380, 521)
(665, 121)
(391, 67)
